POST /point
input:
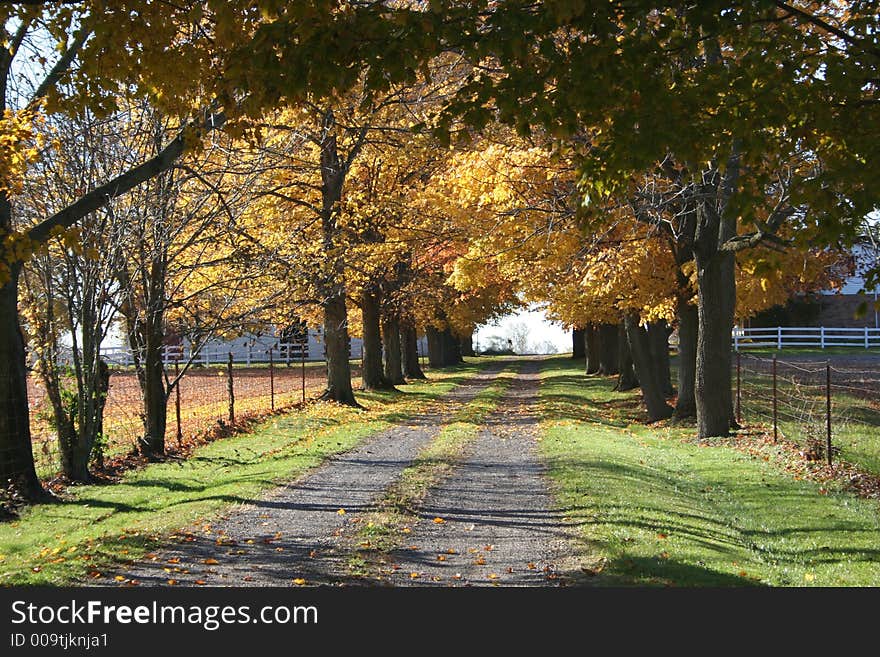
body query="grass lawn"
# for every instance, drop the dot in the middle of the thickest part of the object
(97, 525)
(658, 509)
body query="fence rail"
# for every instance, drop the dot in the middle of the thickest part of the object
(821, 337)
(281, 352)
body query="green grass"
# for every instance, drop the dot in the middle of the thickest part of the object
(855, 419)
(792, 353)
(656, 508)
(98, 525)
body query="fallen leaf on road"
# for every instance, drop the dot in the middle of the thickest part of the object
(414, 575)
(119, 578)
(440, 557)
(341, 512)
(200, 582)
(299, 581)
(210, 562)
(172, 582)
(479, 561)
(492, 576)
(456, 576)
(439, 521)
(531, 566)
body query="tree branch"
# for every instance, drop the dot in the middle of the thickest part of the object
(61, 67)
(121, 184)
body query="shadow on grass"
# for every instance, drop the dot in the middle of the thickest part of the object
(656, 571)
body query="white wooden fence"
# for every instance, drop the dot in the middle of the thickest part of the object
(821, 337)
(282, 352)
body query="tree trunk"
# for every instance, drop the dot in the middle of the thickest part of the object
(336, 342)
(16, 458)
(155, 397)
(444, 349)
(451, 348)
(652, 394)
(716, 302)
(608, 356)
(685, 406)
(658, 341)
(412, 369)
(435, 347)
(713, 389)
(578, 350)
(591, 349)
(466, 345)
(100, 403)
(392, 351)
(716, 290)
(626, 378)
(371, 374)
(337, 352)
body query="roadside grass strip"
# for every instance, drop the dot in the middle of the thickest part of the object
(657, 508)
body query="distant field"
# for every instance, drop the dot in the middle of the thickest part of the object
(203, 401)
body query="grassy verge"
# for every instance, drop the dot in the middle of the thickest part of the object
(387, 528)
(95, 526)
(659, 509)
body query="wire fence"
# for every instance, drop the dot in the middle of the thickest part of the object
(831, 410)
(205, 398)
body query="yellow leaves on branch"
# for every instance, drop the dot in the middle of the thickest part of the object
(20, 144)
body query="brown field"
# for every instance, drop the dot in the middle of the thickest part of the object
(203, 402)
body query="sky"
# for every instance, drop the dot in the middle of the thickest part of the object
(540, 331)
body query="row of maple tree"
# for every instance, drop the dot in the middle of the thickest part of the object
(205, 169)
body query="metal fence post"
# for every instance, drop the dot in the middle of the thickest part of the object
(828, 412)
(271, 379)
(775, 415)
(779, 337)
(738, 389)
(302, 358)
(177, 401)
(231, 390)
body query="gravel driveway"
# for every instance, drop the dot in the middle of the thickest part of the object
(499, 525)
(280, 539)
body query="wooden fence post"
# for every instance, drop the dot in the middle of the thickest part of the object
(177, 402)
(828, 412)
(271, 379)
(230, 389)
(775, 414)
